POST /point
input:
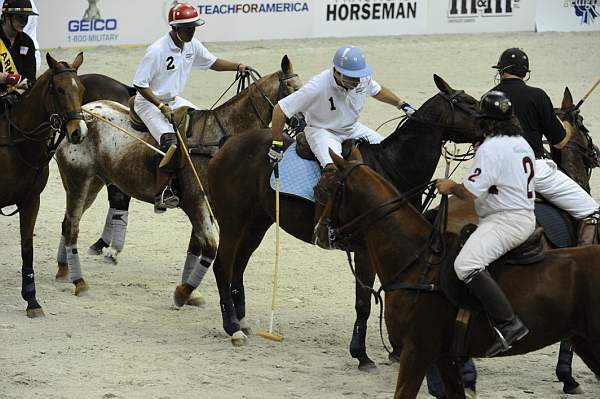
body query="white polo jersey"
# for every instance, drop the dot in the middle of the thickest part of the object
(165, 68)
(326, 105)
(502, 175)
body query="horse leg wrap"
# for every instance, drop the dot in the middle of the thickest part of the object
(230, 322)
(239, 301)
(191, 261)
(119, 229)
(73, 262)
(27, 283)
(107, 231)
(195, 278)
(61, 255)
(564, 370)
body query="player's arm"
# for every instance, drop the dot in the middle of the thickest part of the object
(447, 186)
(224, 65)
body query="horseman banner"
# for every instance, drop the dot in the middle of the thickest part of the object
(568, 15)
(475, 16)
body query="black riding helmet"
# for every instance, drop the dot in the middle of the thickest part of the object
(18, 7)
(495, 105)
(514, 61)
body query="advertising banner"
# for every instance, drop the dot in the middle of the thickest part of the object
(477, 16)
(568, 15)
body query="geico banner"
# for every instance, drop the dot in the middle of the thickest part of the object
(476, 16)
(71, 23)
(568, 15)
(237, 20)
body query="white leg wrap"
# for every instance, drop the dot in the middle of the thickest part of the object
(190, 264)
(61, 255)
(107, 232)
(73, 262)
(197, 275)
(119, 229)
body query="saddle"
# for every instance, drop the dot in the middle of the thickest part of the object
(181, 118)
(529, 252)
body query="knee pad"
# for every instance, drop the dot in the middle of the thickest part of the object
(166, 140)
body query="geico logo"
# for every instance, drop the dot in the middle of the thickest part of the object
(79, 25)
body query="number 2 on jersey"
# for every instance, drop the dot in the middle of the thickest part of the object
(527, 161)
(333, 108)
(170, 63)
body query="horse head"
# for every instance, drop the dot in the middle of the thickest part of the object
(580, 155)
(64, 96)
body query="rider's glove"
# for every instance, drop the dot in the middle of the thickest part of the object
(12, 79)
(276, 151)
(407, 108)
(297, 123)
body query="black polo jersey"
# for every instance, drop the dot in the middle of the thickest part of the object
(534, 109)
(22, 52)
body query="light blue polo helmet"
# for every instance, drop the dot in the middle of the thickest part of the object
(350, 61)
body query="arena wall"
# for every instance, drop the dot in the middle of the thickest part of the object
(81, 23)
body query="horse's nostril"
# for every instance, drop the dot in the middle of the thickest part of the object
(76, 136)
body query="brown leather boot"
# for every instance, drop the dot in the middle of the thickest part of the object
(588, 230)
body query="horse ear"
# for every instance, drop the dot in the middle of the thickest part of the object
(337, 160)
(442, 85)
(286, 65)
(52, 63)
(567, 99)
(78, 61)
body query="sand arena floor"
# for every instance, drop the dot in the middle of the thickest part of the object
(124, 340)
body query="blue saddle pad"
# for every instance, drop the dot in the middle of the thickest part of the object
(297, 176)
(558, 227)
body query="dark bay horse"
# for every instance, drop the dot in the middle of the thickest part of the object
(111, 157)
(556, 298)
(28, 136)
(244, 202)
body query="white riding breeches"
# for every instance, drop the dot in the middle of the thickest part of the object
(496, 234)
(156, 122)
(560, 190)
(320, 140)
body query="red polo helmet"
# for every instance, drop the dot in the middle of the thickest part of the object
(185, 16)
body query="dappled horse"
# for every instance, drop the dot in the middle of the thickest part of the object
(576, 159)
(555, 297)
(244, 202)
(110, 156)
(29, 134)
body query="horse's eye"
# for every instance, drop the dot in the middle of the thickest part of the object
(60, 91)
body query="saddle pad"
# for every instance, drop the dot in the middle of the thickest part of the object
(297, 176)
(558, 228)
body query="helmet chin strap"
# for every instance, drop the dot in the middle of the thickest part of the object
(177, 34)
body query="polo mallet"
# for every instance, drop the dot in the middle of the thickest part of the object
(262, 333)
(587, 94)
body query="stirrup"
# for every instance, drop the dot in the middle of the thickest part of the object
(165, 200)
(168, 155)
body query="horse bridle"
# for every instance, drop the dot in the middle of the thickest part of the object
(589, 152)
(452, 100)
(283, 90)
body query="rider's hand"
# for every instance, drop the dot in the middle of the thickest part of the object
(242, 68)
(166, 111)
(407, 108)
(444, 186)
(297, 123)
(276, 151)
(12, 79)
(23, 84)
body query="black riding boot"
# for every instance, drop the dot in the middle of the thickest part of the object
(167, 198)
(508, 326)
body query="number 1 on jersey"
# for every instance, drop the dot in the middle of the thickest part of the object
(333, 108)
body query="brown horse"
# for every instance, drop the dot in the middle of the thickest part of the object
(27, 143)
(244, 202)
(576, 159)
(111, 157)
(555, 297)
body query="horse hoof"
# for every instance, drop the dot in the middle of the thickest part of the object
(196, 299)
(245, 326)
(239, 339)
(111, 256)
(180, 296)
(573, 389)
(470, 393)
(81, 287)
(62, 275)
(367, 366)
(34, 313)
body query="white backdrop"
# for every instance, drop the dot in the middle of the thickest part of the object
(80, 23)
(565, 16)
